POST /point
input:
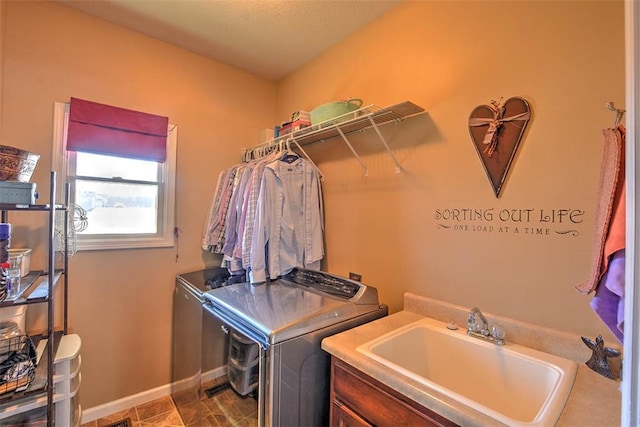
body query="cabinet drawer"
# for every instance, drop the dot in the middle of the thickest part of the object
(375, 403)
(342, 416)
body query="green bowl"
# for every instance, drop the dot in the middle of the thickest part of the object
(332, 110)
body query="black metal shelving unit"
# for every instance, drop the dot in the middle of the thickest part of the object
(38, 288)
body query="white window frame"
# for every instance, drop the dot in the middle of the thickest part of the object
(166, 200)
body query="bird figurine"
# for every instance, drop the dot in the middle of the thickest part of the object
(600, 353)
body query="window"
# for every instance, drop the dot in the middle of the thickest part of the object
(129, 202)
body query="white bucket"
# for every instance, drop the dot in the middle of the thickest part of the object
(25, 265)
(14, 313)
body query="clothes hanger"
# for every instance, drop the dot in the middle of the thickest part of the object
(304, 153)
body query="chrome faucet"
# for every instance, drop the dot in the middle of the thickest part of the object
(478, 326)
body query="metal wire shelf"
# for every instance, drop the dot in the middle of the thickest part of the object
(342, 126)
(356, 121)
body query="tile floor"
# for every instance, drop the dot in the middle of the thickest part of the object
(224, 409)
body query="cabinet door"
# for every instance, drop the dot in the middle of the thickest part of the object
(342, 416)
(356, 394)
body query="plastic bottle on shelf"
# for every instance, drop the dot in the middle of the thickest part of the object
(13, 275)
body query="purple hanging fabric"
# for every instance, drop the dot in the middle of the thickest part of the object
(608, 302)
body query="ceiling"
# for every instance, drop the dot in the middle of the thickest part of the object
(268, 38)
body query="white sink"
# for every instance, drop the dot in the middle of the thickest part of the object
(513, 384)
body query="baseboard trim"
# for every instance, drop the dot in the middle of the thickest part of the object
(106, 409)
(214, 373)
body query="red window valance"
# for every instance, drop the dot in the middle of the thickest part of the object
(103, 129)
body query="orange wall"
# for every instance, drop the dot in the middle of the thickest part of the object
(121, 301)
(565, 58)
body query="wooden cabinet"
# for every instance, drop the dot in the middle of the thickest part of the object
(357, 400)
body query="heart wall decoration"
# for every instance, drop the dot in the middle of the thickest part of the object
(496, 131)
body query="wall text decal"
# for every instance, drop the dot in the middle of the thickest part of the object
(526, 221)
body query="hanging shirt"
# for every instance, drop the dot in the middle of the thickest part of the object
(288, 227)
(215, 227)
(248, 221)
(210, 221)
(234, 213)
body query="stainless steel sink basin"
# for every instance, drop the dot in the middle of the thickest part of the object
(516, 385)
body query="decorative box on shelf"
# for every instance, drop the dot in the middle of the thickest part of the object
(299, 120)
(18, 193)
(287, 128)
